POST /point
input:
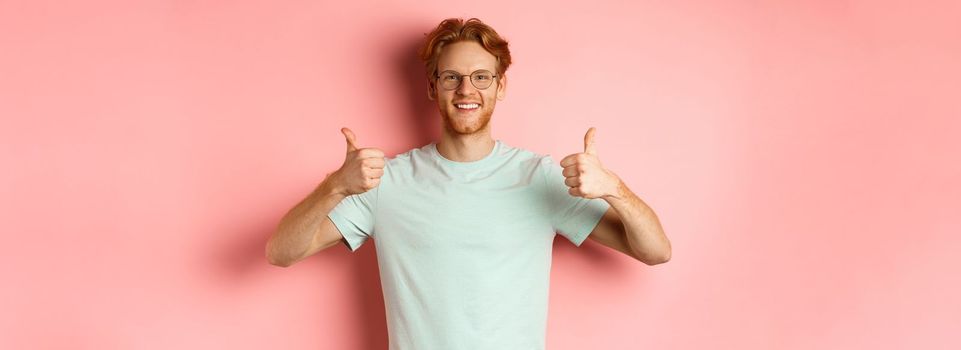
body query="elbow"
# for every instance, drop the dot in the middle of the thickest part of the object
(275, 260)
(659, 260)
(655, 259)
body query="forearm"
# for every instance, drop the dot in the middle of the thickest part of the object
(643, 229)
(296, 229)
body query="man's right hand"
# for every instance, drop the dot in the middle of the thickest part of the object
(362, 167)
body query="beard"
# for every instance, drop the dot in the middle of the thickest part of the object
(459, 124)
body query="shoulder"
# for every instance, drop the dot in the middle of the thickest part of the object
(527, 159)
(407, 160)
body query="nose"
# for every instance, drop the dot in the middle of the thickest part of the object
(466, 87)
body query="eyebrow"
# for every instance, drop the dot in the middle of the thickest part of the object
(456, 71)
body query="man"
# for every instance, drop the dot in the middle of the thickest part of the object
(464, 226)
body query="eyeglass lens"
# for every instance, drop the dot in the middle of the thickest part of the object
(481, 79)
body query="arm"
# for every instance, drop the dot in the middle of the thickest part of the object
(306, 229)
(631, 227)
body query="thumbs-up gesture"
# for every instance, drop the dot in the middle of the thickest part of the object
(585, 175)
(362, 167)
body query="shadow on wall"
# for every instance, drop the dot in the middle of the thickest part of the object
(239, 259)
(423, 119)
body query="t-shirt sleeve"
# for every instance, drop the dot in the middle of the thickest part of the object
(354, 217)
(572, 217)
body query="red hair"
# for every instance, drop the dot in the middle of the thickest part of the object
(454, 30)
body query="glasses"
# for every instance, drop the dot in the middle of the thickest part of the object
(450, 80)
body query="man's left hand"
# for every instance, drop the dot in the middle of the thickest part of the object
(585, 175)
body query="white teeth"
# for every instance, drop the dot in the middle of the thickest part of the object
(468, 106)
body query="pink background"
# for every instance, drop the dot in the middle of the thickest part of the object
(803, 157)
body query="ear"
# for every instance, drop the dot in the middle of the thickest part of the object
(501, 86)
(430, 89)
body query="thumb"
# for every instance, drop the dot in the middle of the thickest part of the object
(589, 142)
(351, 139)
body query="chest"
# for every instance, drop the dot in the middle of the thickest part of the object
(475, 218)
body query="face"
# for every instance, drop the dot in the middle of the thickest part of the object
(465, 57)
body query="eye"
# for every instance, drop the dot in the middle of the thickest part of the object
(449, 77)
(482, 75)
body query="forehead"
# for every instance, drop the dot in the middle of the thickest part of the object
(465, 57)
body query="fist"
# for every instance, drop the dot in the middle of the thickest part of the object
(362, 167)
(584, 174)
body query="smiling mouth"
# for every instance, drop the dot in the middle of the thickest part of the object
(467, 106)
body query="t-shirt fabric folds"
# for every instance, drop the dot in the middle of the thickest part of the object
(464, 248)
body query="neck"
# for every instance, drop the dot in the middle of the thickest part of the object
(465, 148)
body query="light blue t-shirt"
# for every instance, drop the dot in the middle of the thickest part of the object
(464, 248)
